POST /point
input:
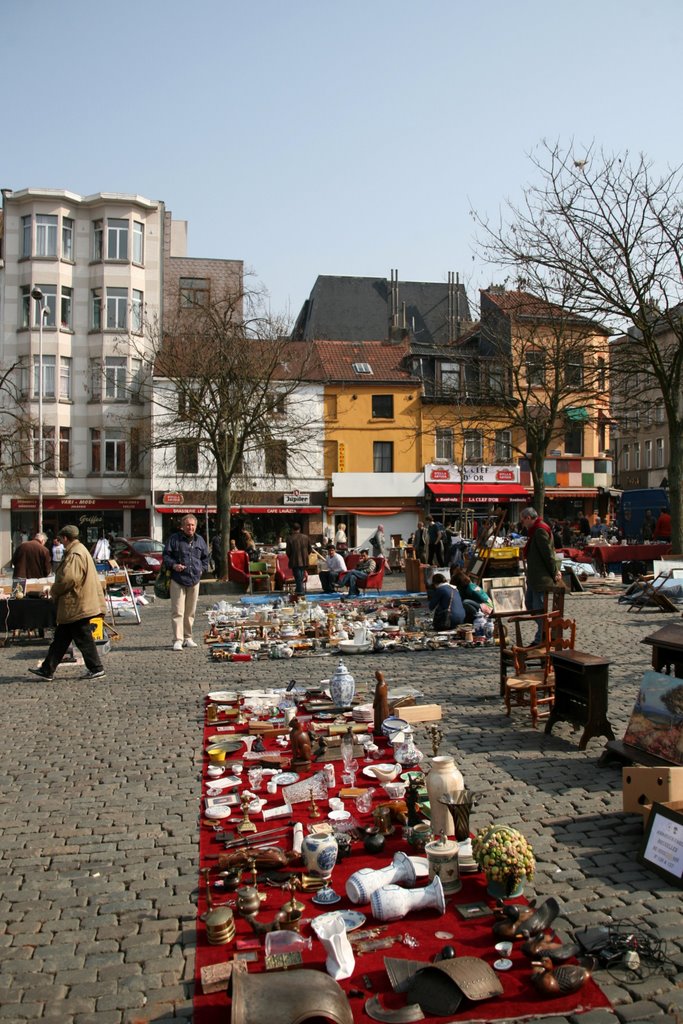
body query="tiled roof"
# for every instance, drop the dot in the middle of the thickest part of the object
(359, 308)
(337, 360)
(527, 306)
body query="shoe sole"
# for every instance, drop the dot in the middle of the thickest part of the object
(40, 675)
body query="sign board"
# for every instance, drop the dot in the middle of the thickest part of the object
(173, 498)
(662, 848)
(450, 473)
(297, 498)
(341, 453)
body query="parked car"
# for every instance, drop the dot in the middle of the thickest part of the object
(138, 554)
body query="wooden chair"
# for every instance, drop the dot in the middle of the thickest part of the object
(259, 578)
(508, 638)
(535, 687)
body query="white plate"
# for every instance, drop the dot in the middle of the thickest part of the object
(352, 918)
(226, 782)
(217, 812)
(421, 865)
(339, 815)
(222, 696)
(285, 778)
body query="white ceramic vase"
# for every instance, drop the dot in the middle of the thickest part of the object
(392, 902)
(342, 686)
(319, 854)
(363, 883)
(443, 778)
(331, 931)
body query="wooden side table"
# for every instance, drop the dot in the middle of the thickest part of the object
(667, 649)
(581, 682)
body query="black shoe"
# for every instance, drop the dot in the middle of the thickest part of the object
(97, 674)
(42, 674)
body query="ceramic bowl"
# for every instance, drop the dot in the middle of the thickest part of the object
(390, 726)
(216, 755)
(339, 815)
(214, 771)
(395, 790)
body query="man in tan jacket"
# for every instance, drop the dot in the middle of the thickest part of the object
(78, 595)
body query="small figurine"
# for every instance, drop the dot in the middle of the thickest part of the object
(301, 745)
(380, 703)
(313, 811)
(258, 745)
(321, 750)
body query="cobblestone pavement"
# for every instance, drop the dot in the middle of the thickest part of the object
(100, 791)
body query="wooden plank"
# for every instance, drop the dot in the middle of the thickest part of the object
(422, 713)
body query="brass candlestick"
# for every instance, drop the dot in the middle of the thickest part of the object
(435, 734)
(245, 824)
(313, 811)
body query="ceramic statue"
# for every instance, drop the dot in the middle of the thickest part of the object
(363, 883)
(392, 902)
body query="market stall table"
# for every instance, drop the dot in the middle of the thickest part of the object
(29, 613)
(609, 554)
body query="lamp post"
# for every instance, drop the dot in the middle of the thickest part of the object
(42, 310)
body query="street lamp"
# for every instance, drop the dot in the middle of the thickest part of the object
(42, 310)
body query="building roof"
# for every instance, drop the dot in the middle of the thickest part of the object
(359, 309)
(526, 306)
(348, 362)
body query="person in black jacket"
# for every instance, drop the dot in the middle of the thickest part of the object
(187, 556)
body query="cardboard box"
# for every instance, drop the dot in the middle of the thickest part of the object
(643, 786)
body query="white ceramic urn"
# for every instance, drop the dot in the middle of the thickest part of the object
(342, 686)
(444, 777)
(319, 854)
(392, 902)
(363, 883)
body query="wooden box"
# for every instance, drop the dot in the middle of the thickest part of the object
(642, 786)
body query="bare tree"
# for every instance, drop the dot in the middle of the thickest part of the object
(230, 389)
(612, 227)
(18, 431)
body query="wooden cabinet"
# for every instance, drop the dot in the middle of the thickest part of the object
(581, 686)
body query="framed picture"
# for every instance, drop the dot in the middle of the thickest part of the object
(473, 910)
(662, 848)
(507, 599)
(475, 567)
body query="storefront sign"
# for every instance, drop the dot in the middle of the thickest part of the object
(173, 498)
(76, 504)
(342, 457)
(471, 474)
(297, 498)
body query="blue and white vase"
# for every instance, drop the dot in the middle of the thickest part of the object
(342, 686)
(319, 854)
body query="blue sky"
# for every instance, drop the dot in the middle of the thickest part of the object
(315, 138)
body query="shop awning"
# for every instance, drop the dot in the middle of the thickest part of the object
(571, 492)
(236, 510)
(370, 510)
(450, 492)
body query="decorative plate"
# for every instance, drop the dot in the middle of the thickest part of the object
(352, 918)
(222, 696)
(339, 815)
(421, 865)
(230, 746)
(285, 778)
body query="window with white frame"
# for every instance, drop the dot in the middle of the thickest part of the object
(659, 413)
(636, 455)
(443, 444)
(65, 377)
(187, 457)
(25, 306)
(97, 239)
(450, 377)
(66, 311)
(573, 369)
(503, 446)
(534, 361)
(136, 381)
(648, 455)
(138, 242)
(49, 367)
(117, 239)
(474, 446)
(65, 449)
(136, 311)
(194, 291)
(47, 456)
(26, 227)
(46, 234)
(659, 452)
(67, 238)
(114, 452)
(96, 309)
(383, 456)
(115, 373)
(49, 303)
(117, 308)
(626, 456)
(96, 379)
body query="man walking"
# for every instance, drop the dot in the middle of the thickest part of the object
(32, 560)
(78, 594)
(187, 556)
(542, 573)
(298, 549)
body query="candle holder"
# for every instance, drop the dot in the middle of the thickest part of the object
(245, 824)
(435, 734)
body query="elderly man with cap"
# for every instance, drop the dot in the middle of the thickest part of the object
(77, 593)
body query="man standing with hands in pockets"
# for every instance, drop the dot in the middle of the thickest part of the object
(187, 556)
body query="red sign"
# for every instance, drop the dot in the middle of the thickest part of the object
(440, 474)
(505, 474)
(173, 498)
(77, 504)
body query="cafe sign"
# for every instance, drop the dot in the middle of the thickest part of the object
(173, 498)
(296, 498)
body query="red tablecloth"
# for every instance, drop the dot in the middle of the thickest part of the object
(470, 937)
(605, 554)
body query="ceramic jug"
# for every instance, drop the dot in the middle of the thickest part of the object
(360, 633)
(319, 854)
(331, 931)
(361, 884)
(444, 778)
(342, 686)
(392, 902)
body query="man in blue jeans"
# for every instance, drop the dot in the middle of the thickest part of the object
(362, 570)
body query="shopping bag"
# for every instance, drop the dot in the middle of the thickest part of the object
(162, 585)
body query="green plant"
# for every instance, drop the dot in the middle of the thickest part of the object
(504, 855)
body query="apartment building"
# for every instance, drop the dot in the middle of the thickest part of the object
(80, 278)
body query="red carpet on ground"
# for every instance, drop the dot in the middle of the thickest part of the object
(470, 937)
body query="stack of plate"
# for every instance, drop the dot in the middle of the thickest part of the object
(363, 713)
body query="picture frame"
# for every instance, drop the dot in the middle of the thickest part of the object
(662, 849)
(471, 911)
